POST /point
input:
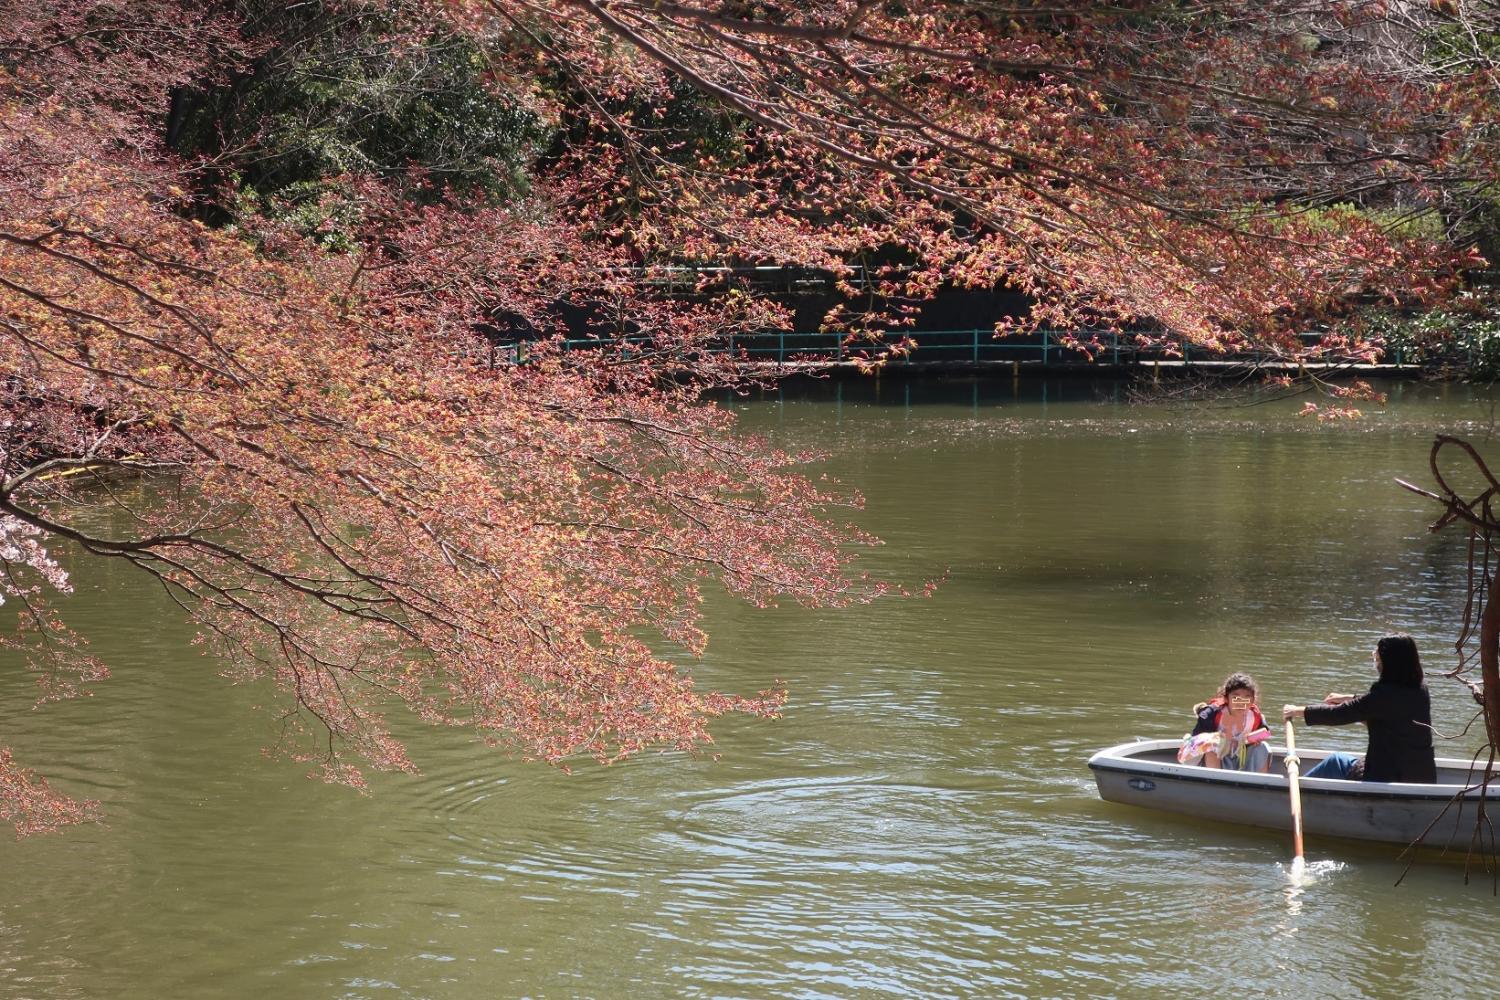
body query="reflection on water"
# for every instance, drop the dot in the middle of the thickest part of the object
(1300, 874)
(921, 823)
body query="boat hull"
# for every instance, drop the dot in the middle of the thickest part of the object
(1147, 774)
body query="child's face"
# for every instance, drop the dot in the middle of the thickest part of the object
(1240, 699)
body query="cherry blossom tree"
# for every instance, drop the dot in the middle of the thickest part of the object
(345, 494)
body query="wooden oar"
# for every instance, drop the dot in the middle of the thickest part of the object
(1293, 769)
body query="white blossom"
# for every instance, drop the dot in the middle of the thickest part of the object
(20, 545)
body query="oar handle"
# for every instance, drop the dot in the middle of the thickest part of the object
(1293, 768)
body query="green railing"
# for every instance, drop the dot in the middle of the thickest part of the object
(976, 345)
(1046, 347)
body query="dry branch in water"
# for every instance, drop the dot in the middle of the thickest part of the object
(1472, 504)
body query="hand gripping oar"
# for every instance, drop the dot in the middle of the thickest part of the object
(1293, 767)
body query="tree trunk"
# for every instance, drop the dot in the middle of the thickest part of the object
(1489, 661)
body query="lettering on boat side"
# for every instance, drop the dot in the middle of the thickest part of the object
(1142, 784)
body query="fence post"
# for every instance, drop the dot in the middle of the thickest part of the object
(975, 334)
(1115, 340)
(780, 347)
(1046, 341)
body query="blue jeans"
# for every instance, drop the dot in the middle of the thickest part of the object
(1335, 765)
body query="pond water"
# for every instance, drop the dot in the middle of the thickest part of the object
(920, 823)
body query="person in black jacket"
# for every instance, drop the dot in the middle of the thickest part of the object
(1398, 711)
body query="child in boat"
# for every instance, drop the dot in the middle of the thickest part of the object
(1230, 732)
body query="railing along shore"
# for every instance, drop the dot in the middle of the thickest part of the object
(976, 350)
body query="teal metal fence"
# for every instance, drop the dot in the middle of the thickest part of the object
(1044, 347)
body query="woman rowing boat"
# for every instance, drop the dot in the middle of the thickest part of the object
(1398, 711)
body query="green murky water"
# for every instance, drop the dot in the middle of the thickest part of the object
(921, 823)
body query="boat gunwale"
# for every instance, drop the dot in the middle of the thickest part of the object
(1119, 759)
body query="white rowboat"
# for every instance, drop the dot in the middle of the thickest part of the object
(1146, 773)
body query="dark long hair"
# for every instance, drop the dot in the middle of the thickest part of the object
(1399, 662)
